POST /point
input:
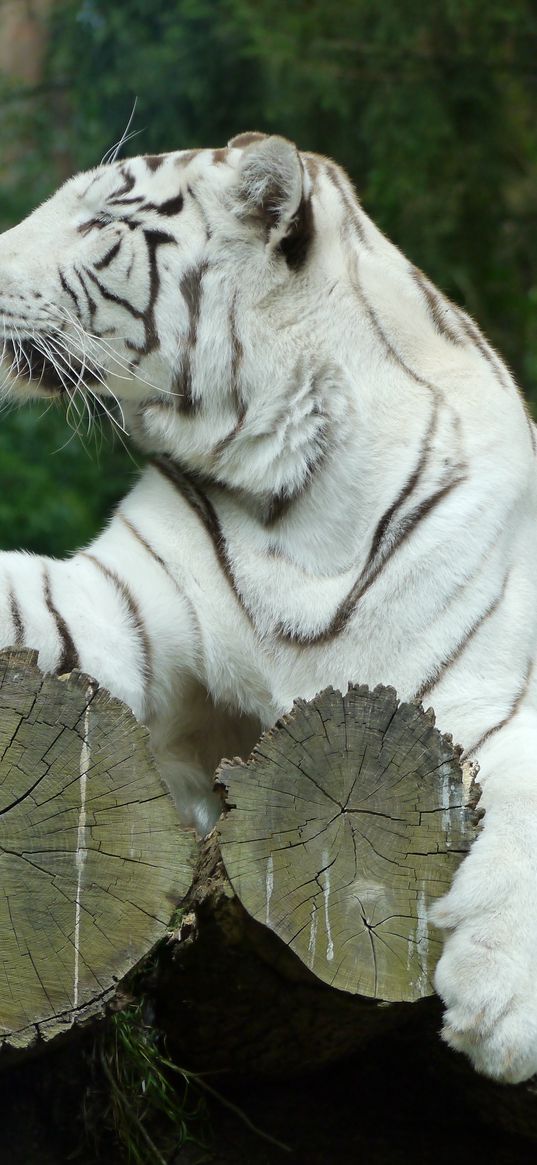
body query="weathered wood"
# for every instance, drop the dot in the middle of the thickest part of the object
(92, 859)
(281, 967)
(248, 1004)
(347, 821)
(304, 932)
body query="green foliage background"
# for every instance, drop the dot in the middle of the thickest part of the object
(432, 109)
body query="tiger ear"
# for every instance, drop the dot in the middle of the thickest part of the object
(274, 191)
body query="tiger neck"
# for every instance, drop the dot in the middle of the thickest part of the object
(326, 505)
(308, 462)
(318, 511)
(266, 451)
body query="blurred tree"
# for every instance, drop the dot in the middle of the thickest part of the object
(56, 488)
(183, 62)
(432, 109)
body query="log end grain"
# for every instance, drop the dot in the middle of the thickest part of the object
(92, 856)
(347, 821)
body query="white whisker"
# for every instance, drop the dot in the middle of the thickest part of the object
(111, 154)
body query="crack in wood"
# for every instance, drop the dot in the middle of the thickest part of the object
(360, 849)
(77, 913)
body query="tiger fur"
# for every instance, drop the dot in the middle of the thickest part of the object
(342, 487)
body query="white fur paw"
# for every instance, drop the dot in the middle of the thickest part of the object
(487, 977)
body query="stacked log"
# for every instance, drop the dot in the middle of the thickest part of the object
(302, 930)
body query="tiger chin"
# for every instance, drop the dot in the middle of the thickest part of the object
(341, 486)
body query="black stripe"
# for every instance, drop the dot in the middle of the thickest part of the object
(171, 206)
(136, 534)
(506, 719)
(69, 291)
(185, 402)
(202, 507)
(348, 606)
(110, 255)
(16, 616)
(156, 239)
(128, 181)
(237, 353)
(153, 240)
(278, 506)
(113, 298)
(164, 566)
(498, 368)
(92, 224)
(376, 324)
(298, 240)
(192, 493)
(351, 207)
(133, 609)
(449, 660)
(474, 334)
(280, 503)
(186, 156)
(246, 139)
(190, 288)
(437, 306)
(153, 161)
(201, 211)
(407, 489)
(69, 654)
(228, 440)
(134, 201)
(312, 164)
(92, 306)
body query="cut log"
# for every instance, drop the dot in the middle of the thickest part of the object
(303, 927)
(348, 820)
(92, 859)
(305, 932)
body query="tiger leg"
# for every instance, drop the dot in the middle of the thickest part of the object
(487, 975)
(77, 616)
(189, 758)
(128, 628)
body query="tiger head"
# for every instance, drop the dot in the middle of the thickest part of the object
(191, 288)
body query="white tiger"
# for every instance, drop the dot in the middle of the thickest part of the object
(343, 487)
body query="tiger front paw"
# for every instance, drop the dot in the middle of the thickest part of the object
(487, 975)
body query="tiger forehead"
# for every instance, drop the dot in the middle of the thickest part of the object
(118, 179)
(159, 178)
